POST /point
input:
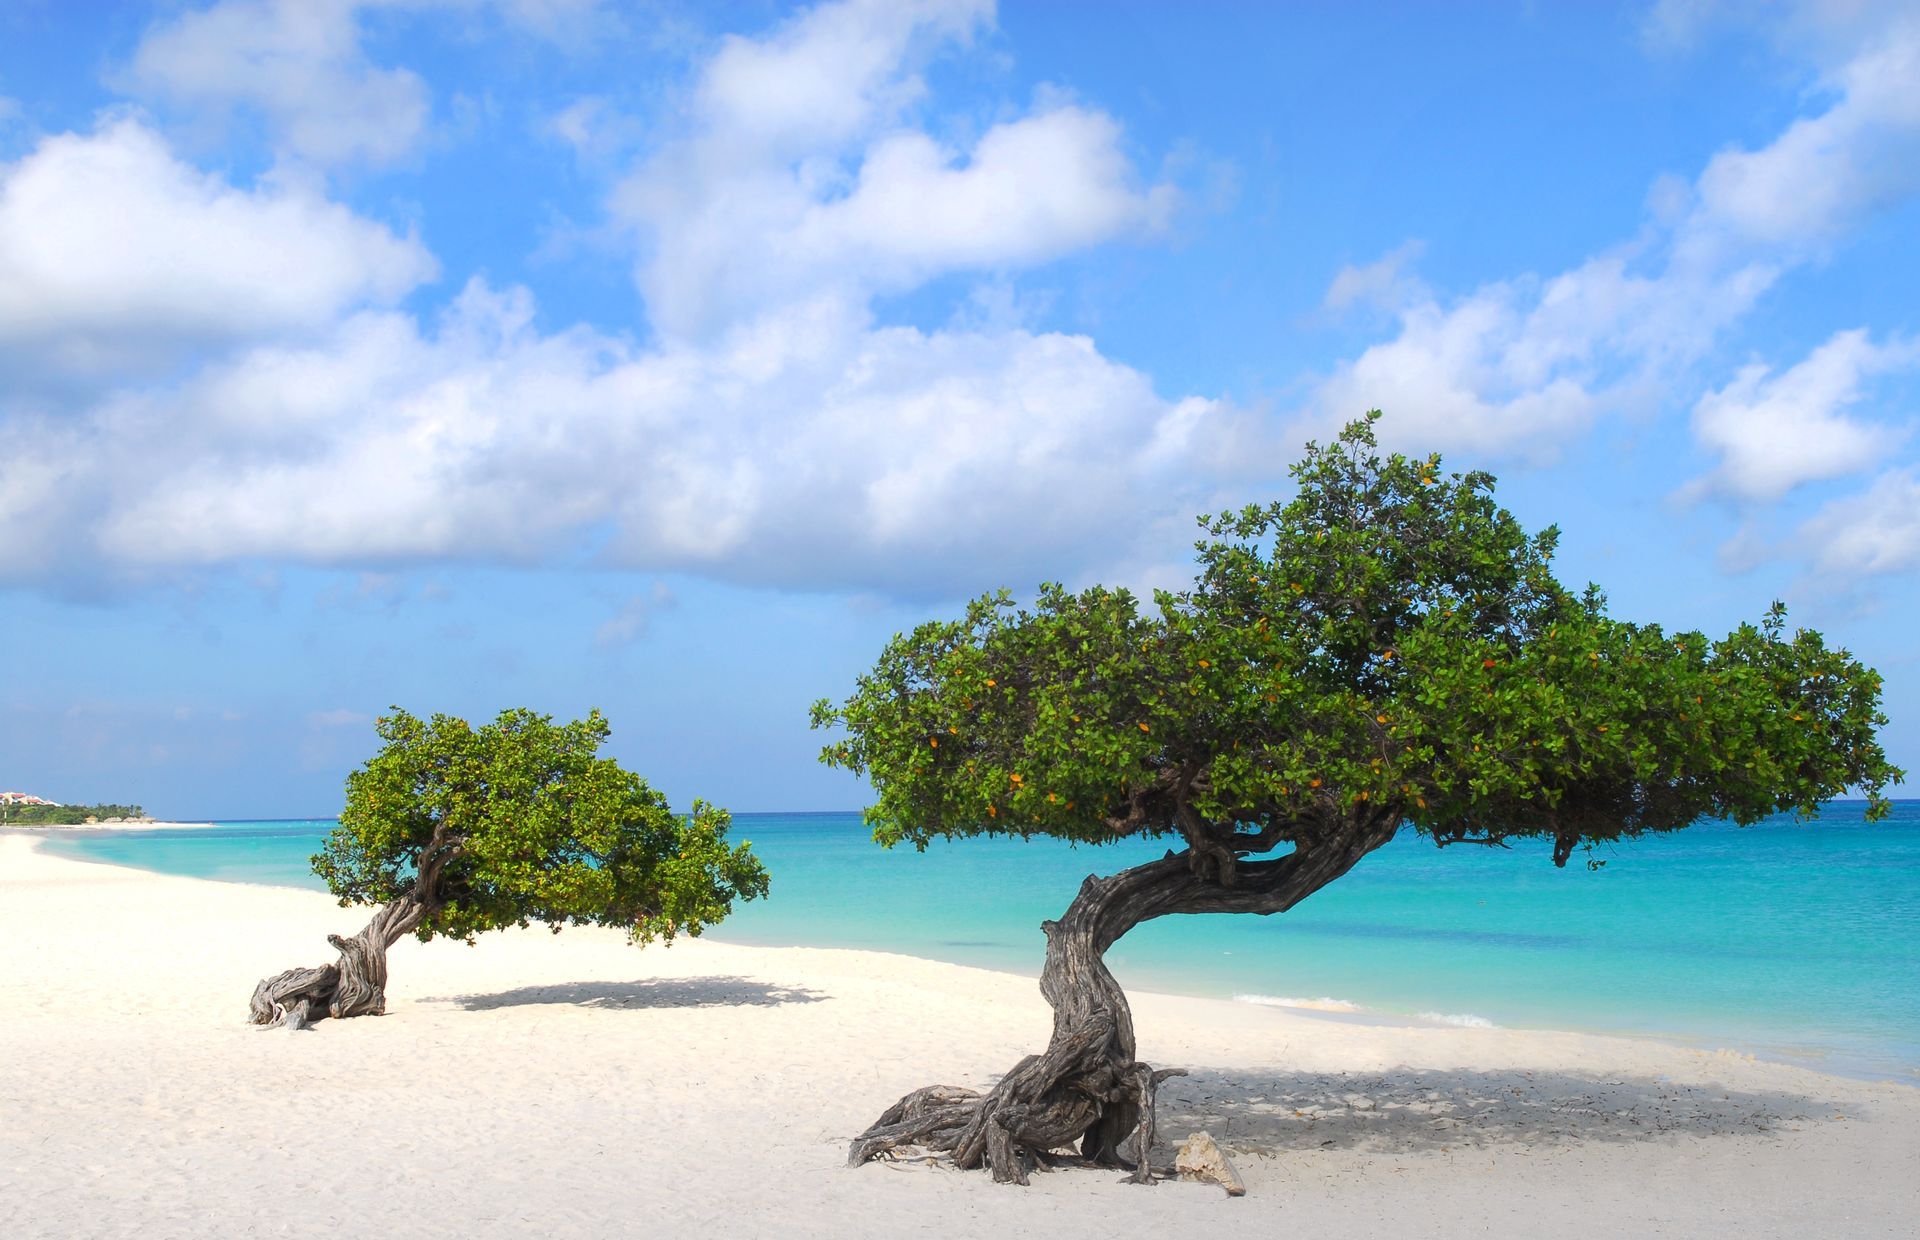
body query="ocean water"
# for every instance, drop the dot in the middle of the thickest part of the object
(1799, 941)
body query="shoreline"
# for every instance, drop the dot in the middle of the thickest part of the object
(626, 1073)
(1331, 1011)
(147, 824)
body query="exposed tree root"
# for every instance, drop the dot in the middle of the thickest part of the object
(295, 998)
(1088, 1089)
(1024, 1124)
(355, 985)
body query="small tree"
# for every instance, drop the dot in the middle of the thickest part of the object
(454, 830)
(1388, 649)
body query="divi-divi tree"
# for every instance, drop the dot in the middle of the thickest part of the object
(1387, 651)
(454, 830)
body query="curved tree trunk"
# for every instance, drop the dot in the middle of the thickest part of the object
(354, 985)
(1087, 1088)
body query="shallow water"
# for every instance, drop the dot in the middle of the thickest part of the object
(1800, 941)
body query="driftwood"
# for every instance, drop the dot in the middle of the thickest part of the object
(1087, 1087)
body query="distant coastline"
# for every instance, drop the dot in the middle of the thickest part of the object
(23, 809)
(104, 824)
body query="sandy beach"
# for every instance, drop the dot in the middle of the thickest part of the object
(574, 1086)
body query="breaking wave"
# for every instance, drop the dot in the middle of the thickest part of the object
(1464, 1020)
(1311, 1005)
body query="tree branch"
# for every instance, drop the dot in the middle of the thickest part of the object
(1485, 841)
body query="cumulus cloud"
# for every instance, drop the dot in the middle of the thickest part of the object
(1774, 432)
(298, 64)
(826, 75)
(1872, 533)
(775, 432)
(1522, 365)
(1826, 171)
(114, 254)
(812, 449)
(1468, 374)
(800, 174)
(301, 68)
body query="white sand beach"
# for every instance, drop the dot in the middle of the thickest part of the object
(574, 1086)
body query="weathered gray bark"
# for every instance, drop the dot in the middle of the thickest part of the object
(354, 985)
(1087, 1088)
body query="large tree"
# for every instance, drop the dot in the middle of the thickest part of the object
(454, 830)
(1387, 650)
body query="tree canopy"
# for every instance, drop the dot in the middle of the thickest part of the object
(454, 830)
(1387, 645)
(521, 820)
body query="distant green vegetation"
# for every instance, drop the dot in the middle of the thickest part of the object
(63, 815)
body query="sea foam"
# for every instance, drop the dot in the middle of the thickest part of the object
(1464, 1020)
(1311, 1005)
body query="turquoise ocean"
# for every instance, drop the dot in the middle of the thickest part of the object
(1788, 940)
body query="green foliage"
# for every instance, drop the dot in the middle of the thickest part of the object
(521, 821)
(63, 815)
(1388, 641)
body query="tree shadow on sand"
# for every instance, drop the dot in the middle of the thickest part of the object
(653, 992)
(1412, 1110)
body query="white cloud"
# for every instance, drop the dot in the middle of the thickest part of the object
(775, 432)
(791, 439)
(631, 620)
(1465, 375)
(113, 254)
(1875, 532)
(1030, 190)
(1521, 367)
(1525, 364)
(1387, 283)
(301, 68)
(826, 75)
(799, 176)
(298, 64)
(563, 21)
(594, 128)
(809, 449)
(1822, 33)
(1774, 432)
(1826, 171)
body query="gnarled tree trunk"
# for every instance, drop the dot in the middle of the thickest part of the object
(354, 985)
(1087, 1088)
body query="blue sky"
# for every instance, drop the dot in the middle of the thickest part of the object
(668, 358)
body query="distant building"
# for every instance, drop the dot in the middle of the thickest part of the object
(21, 798)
